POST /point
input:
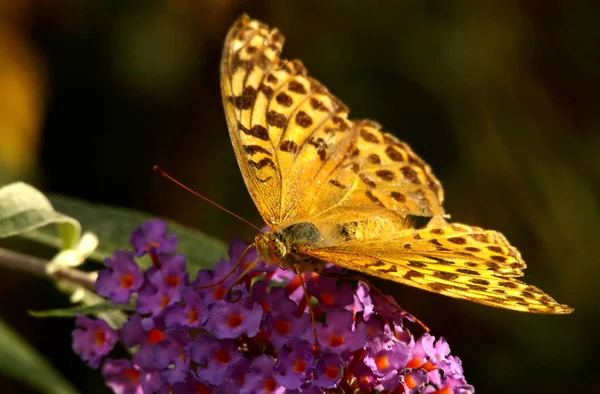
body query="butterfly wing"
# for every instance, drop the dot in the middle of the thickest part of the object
(299, 155)
(303, 160)
(242, 73)
(381, 175)
(455, 260)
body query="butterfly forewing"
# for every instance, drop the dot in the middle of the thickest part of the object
(299, 154)
(250, 51)
(303, 160)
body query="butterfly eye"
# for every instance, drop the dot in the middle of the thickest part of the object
(279, 248)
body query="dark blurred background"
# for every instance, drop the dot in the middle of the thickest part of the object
(501, 98)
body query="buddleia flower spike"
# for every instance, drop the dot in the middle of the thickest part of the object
(187, 337)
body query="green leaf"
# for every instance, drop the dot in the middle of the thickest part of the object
(114, 317)
(90, 303)
(106, 306)
(113, 226)
(22, 362)
(23, 208)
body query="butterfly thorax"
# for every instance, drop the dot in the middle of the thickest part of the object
(284, 247)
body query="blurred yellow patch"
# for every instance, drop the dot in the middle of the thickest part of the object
(21, 102)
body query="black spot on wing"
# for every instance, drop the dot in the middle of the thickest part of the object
(246, 99)
(254, 149)
(256, 131)
(288, 146)
(265, 162)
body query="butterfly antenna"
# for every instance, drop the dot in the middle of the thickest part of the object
(162, 173)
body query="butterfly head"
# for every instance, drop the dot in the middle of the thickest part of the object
(269, 247)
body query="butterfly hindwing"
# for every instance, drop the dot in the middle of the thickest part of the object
(455, 260)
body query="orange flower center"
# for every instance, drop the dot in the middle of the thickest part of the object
(283, 326)
(414, 363)
(327, 299)
(100, 336)
(126, 281)
(172, 281)
(164, 301)
(428, 366)
(151, 245)
(417, 363)
(382, 362)
(410, 382)
(270, 385)
(365, 379)
(234, 320)
(299, 366)
(219, 292)
(336, 340)
(132, 374)
(155, 336)
(265, 307)
(192, 316)
(223, 356)
(332, 372)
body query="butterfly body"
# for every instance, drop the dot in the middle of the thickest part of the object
(283, 247)
(337, 190)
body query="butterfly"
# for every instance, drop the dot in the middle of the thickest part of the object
(337, 190)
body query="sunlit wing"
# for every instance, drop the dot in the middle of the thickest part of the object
(303, 160)
(300, 156)
(455, 260)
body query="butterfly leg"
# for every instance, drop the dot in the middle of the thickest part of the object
(236, 266)
(310, 308)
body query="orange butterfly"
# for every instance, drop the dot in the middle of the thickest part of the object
(340, 190)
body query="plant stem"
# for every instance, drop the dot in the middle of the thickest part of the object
(37, 266)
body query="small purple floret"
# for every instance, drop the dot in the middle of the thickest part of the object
(93, 339)
(339, 335)
(156, 294)
(190, 312)
(260, 378)
(121, 277)
(216, 359)
(282, 324)
(151, 237)
(235, 319)
(122, 376)
(385, 355)
(330, 292)
(328, 370)
(294, 365)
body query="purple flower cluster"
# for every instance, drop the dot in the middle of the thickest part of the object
(190, 336)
